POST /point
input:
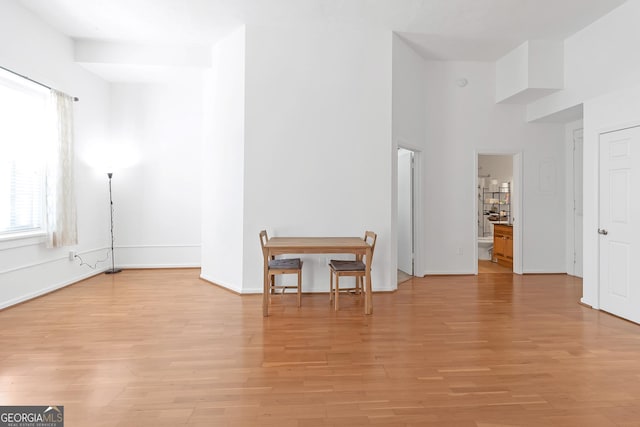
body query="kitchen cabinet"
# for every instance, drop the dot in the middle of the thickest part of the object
(503, 244)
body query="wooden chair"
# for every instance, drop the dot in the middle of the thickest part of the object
(356, 268)
(282, 266)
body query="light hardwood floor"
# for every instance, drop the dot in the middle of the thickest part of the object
(489, 267)
(163, 348)
(403, 277)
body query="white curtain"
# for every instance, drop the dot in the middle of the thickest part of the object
(61, 215)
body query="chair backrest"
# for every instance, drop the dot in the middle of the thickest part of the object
(263, 241)
(370, 237)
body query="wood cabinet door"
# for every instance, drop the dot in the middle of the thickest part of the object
(508, 248)
(498, 246)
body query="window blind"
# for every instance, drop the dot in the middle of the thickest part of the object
(23, 151)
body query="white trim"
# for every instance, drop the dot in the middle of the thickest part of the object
(12, 241)
(152, 266)
(418, 214)
(517, 210)
(48, 261)
(22, 234)
(571, 130)
(23, 298)
(543, 272)
(156, 246)
(234, 288)
(476, 210)
(158, 256)
(615, 128)
(418, 211)
(451, 273)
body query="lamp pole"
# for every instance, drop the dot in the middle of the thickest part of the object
(113, 269)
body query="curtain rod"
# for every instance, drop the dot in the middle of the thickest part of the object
(75, 98)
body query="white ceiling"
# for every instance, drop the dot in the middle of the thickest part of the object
(439, 29)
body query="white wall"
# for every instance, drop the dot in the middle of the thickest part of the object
(157, 209)
(409, 131)
(223, 167)
(409, 95)
(500, 167)
(610, 112)
(462, 122)
(598, 59)
(529, 72)
(601, 70)
(318, 142)
(512, 73)
(27, 268)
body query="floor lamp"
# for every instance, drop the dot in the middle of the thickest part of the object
(113, 268)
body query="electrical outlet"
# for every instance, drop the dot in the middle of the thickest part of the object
(459, 251)
(72, 255)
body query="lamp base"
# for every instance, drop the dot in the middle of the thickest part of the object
(113, 271)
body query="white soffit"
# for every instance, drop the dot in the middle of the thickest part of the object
(531, 71)
(566, 115)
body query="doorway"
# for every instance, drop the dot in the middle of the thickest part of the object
(498, 204)
(406, 208)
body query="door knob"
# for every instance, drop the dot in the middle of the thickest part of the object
(602, 231)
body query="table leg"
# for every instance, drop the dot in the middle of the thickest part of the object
(368, 301)
(265, 291)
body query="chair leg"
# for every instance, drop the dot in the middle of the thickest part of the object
(272, 290)
(299, 288)
(337, 291)
(330, 286)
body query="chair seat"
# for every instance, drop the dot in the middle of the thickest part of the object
(339, 265)
(286, 264)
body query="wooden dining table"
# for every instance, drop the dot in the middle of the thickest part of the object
(317, 245)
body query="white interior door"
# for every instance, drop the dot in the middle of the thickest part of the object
(619, 223)
(577, 202)
(405, 211)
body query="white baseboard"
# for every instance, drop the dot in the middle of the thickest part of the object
(151, 266)
(49, 289)
(157, 256)
(542, 272)
(234, 288)
(449, 273)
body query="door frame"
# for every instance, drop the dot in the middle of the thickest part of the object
(517, 212)
(418, 210)
(571, 130)
(412, 217)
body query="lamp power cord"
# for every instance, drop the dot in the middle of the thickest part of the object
(94, 265)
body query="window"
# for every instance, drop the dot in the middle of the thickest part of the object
(23, 152)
